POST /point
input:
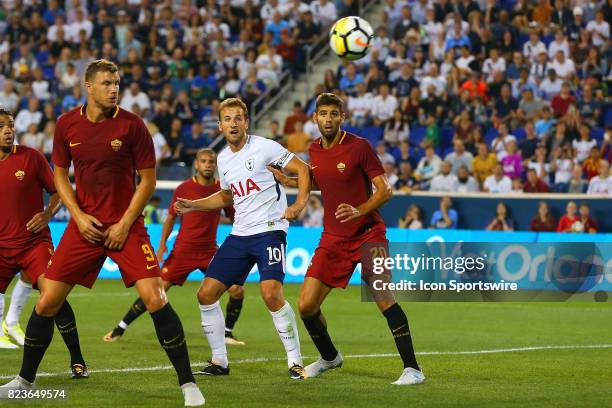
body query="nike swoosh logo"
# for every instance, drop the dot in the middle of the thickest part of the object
(273, 263)
(63, 327)
(170, 341)
(149, 267)
(313, 167)
(398, 329)
(74, 144)
(360, 43)
(226, 172)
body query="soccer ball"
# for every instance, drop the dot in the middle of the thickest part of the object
(350, 37)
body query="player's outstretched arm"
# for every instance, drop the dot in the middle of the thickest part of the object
(86, 223)
(215, 201)
(296, 165)
(346, 212)
(166, 230)
(291, 182)
(117, 233)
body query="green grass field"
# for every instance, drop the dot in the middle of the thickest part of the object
(135, 372)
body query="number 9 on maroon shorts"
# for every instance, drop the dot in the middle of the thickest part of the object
(335, 259)
(77, 261)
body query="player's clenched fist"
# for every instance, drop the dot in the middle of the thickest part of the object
(346, 212)
(183, 206)
(89, 228)
(292, 213)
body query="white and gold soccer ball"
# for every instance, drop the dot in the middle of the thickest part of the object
(350, 37)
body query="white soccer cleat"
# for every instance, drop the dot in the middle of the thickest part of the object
(15, 332)
(193, 395)
(16, 384)
(5, 343)
(410, 376)
(320, 366)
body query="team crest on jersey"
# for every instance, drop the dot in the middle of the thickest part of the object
(250, 163)
(20, 174)
(341, 167)
(116, 144)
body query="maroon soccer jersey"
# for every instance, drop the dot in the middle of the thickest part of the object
(105, 157)
(24, 174)
(344, 175)
(198, 228)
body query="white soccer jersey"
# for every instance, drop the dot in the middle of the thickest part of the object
(259, 200)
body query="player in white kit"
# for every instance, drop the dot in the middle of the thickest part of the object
(258, 235)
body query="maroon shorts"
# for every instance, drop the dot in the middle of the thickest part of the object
(182, 262)
(77, 261)
(31, 260)
(335, 259)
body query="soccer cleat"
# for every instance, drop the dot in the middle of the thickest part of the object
(15, 332)
(16, 384)
(193, 395)
(212, 369)
(114, 334)
(233, 341)
(5, 343)
(79, 371)
(320, 366)
(297, 372)
(410, 376)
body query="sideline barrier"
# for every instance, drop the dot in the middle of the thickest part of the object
(301, 243)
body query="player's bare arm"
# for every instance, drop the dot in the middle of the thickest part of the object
(117, 233)
(215, 201)
(166, 230)
(292, 182)
(88, 225)
(296, 165)
(40, 220)
(347, 212)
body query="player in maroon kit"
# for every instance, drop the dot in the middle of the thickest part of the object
(108, 146)
(195, 245)
(344, 167)
(25, 242)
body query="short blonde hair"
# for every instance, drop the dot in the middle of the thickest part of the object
(232, 103)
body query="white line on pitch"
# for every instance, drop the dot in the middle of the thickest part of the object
(422, 353)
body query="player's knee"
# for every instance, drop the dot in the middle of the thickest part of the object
(48, 306)
(273, 300)
(155, 303)
(206, 298)
(236, 292)
(307, 307)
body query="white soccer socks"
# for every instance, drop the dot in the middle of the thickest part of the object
(19, 297)
(286, 325)
(213, 324)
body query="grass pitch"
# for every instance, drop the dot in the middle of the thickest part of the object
(473, 354)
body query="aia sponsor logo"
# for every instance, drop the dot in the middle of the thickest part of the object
(20, 174)
(244, 189)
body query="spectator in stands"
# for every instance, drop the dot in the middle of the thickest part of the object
(40, 86)
(577, 184)
(348, 82)
(251, 88)
(397, 129)
(194, 141)
(528, 145)
(276, 26)
(570, 222)
(590, 108)
(74, 99)
(446, 217)
(27, 116)
(502, 220)
(312, 215)
(307, 32)
(457, 39)
(529, 106)
(32, 138)
(390, 172)
(465, 182)
(383, 155)
(269, 67)
(298, 141)
(413, 219)
(540, 164)
(433, 82)
(324, 12)
(275, 132)
(405, 81)
(591, 165)
(162, 150)
(497, 182)
(175, 142)
(405, 23)
(550, 86)
(8, 97)
(564, 67)
(428, 167)
(562, 165)
(493, 63)
(383, 106)
(150, 212)
(511, 160)
(588, 224)
(534, 184)
(561, 102)
(359, 106)
(533, 47)
(297, 115)
(135, 96)
(498, 144)
(599, 29)
(432, 133)
(602, 183)
(483, 164)
(543, 221)
(585, 144)
(446, 181)
(406, 182)
(459, 157)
